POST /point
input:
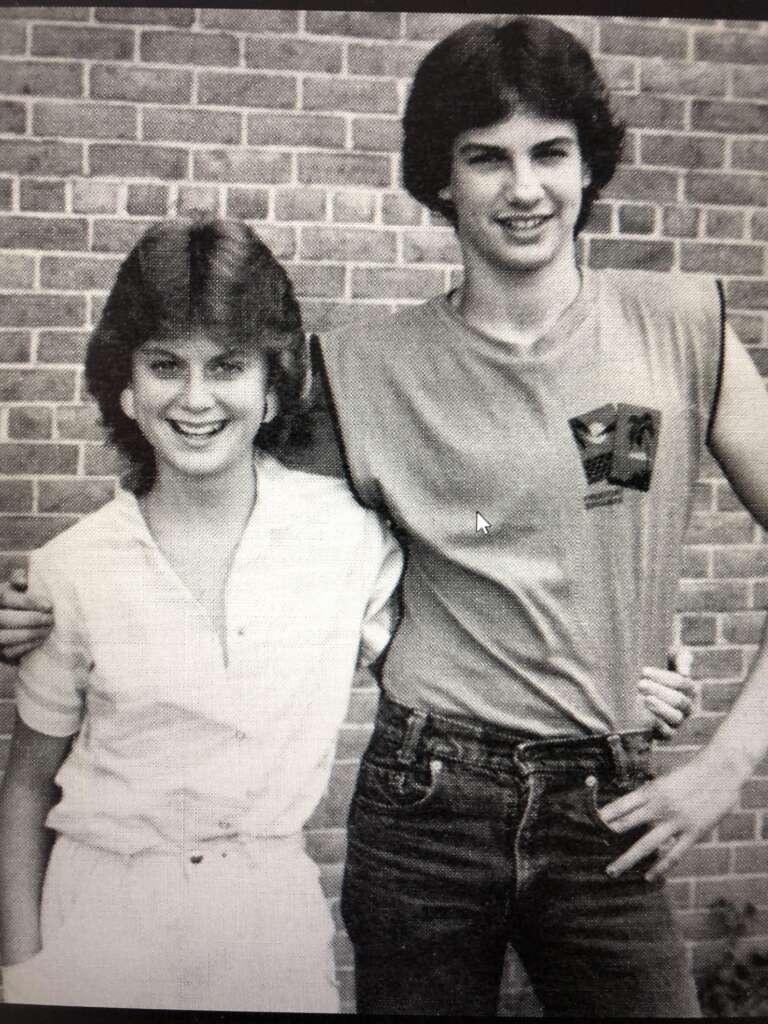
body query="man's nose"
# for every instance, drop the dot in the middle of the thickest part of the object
(523, 185)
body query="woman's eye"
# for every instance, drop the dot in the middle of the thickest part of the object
(229, 367)
(164, 367)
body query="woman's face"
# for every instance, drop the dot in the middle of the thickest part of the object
(198, 400)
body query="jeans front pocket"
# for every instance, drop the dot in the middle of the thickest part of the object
(392, 787)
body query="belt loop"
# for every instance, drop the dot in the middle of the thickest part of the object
(413, 730)
(621, 759)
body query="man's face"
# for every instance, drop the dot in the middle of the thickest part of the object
(517, 188)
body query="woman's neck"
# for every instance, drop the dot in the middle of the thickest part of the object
(184, 499)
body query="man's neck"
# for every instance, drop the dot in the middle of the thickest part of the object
(517, 307)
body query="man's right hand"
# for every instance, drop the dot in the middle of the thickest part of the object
(25, 621)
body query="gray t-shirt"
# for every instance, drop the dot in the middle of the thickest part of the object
(579, 453)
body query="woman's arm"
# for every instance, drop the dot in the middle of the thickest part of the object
(27, 794)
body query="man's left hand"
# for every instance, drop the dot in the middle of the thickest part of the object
(678, 808)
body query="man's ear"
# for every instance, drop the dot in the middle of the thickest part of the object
(445, 194)
(271, 406)
(127, 403)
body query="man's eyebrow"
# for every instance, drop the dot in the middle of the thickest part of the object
(489, 147)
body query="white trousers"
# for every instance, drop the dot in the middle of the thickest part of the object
(228, 926)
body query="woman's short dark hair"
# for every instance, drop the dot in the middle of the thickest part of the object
(478, 75)
(197, 272)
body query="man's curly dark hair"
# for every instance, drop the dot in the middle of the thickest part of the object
(481, 73)
(196, 272)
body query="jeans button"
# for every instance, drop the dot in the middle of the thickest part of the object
(590, 782)
(195, 858)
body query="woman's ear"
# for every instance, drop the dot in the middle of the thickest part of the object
(271, 406)
(127, 403)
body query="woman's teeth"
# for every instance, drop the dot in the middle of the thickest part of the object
(198, 429)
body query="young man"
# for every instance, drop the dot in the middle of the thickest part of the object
(535, 436)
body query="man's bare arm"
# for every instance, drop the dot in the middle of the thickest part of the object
(26, 796)
(684, 805)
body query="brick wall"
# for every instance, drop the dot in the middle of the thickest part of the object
(111, 117)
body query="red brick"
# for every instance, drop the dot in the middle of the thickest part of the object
(353, 244)
(313, 281)
(711, 596)
(241, 165)
(96, 43)
(354, 206)
(377, 134)
(636, 255)
(60, 14)
(618, 73)
(683, 78)
(721, 259)
(77, 273)
(25, 533)
(717, 663)
(199, 48)
(42, 196)
(31, 459)
(13, 38)
(386, 60)
(357, 95)
(34, 157)
(15, 346)
(646, 111)
(752, 155)
(398, 208)
(682, 151)
(759, 226)
(25, 385)
(139, 84)
(723, 116)
(77, 497)
(321, 315)
(102, 460)
(198, 197)
(16, 271)
(375, 24)
(395, 282)
(642, 40)
(727, 189)
(736, 826)
(79, 423)
(182, 17)
(139, 161)
(178, 124)
(333, 808)
(719, 528)
(117, 235)
(433, 26)
(41, 310)
(295, 130)
(246, 89)
(431, 246)
(731, 47)
(747, 294)
(84, 120)
(300, 204)
(249, 19)
(43, 232)
(701, 861)
(741, 562)
(281, 240)
(95, 197)
(724, 224)
(248, 203)
(743, 627)
(147, 200)
(642, 184)
(30, 423)
(13, 117)
(698, 629)
(750, 331)
(755, 795)
(290, 54)
(750, 82)
(61, 347)
(16, 495)
(6, 194)
(637, 220)
(750, 860)
(363, 704)
(680, 221)
(344, 169)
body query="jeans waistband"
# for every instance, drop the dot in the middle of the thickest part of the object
(407, 733)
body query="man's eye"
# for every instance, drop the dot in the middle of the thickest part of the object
(484, 158)
(556, 153)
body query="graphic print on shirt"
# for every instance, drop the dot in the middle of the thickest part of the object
(617, 444)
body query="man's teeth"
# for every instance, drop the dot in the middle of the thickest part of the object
(198, 430)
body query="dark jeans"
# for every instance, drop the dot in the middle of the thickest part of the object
(464, 837)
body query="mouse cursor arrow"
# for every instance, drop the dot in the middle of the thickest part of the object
(481, 524)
